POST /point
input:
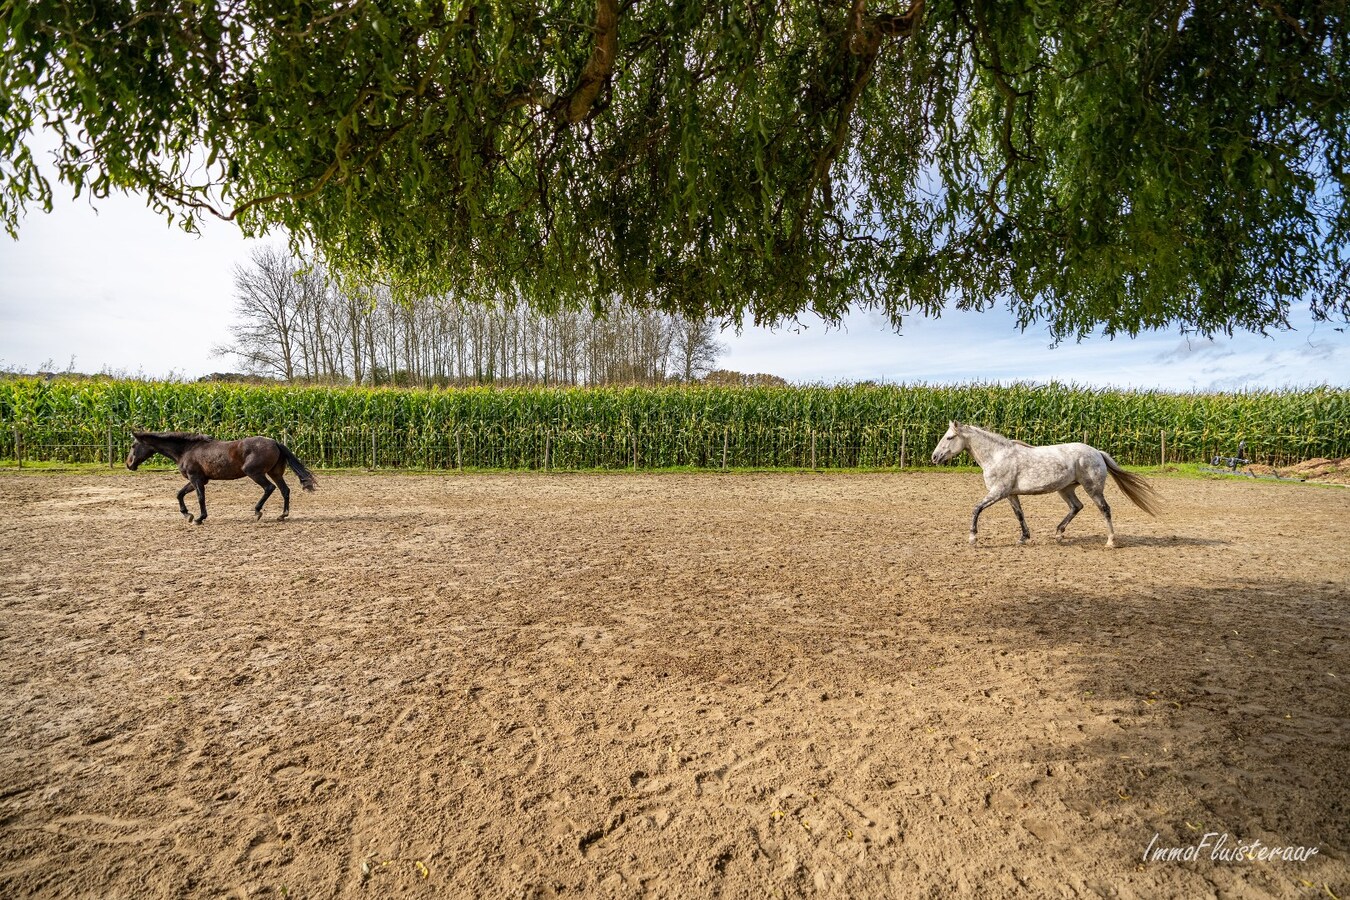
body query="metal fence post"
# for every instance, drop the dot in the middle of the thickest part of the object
(1162, 438)
(18, 447)
(902, 448)
(111, 464)
(372, 448)
(813, 448)
(726, 438)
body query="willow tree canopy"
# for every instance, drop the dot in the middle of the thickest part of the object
(1117, 165)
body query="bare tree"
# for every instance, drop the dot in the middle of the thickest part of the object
(266, 301)
(696, 348)
(298, 323)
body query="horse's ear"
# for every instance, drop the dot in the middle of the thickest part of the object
(955, 424)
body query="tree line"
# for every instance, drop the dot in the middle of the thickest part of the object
(298, 323)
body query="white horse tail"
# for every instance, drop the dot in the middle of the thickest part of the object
(1141, 493)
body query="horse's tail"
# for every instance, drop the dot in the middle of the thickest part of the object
(307, 480)
(1141, 493)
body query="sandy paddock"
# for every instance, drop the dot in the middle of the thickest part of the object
(667, 685)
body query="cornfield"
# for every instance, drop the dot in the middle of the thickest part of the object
(706, 427)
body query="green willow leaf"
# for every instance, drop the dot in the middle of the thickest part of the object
(1090, 165)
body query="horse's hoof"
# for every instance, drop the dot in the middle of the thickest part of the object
(283, 517)
(201, 520)
(1110, 544)
(257, 515)
(972, 540)
(1023, 540)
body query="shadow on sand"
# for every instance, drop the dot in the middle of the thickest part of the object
(1198, 711)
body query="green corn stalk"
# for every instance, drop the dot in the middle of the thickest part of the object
(849, 426)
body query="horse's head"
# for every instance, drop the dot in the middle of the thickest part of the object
(140, 451)
(951, 445)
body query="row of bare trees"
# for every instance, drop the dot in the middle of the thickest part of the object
(297, 324)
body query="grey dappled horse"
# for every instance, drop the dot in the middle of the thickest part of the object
(201, 458)
(1012, 467)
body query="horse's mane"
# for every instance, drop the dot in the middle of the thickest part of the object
(186, 437)
(994, 434)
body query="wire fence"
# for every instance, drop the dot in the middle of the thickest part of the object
(888, 445)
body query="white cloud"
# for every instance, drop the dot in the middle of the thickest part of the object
(118, 290)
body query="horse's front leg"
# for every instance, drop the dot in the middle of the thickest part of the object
(182, 506)
(994, 497)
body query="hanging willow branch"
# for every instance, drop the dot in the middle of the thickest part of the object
(1091, 164)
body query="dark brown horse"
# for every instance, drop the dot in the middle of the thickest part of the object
(201, 458)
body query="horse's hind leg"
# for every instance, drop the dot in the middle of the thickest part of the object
(1099, 498)
(1021, 519)
(267, 492)
(276, 474)
(1075, 505)
(201, 499)
(182, 507)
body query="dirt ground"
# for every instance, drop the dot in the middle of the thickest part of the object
(669, 686)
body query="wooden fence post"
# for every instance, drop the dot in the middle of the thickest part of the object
(726, 437)
(111, 463)
(459, 451)
(813, 448)
(902, 448)
(18, 447)
(548, 444)
(372, 448)
(1162, 441)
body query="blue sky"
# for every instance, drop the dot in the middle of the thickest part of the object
(119, 290)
